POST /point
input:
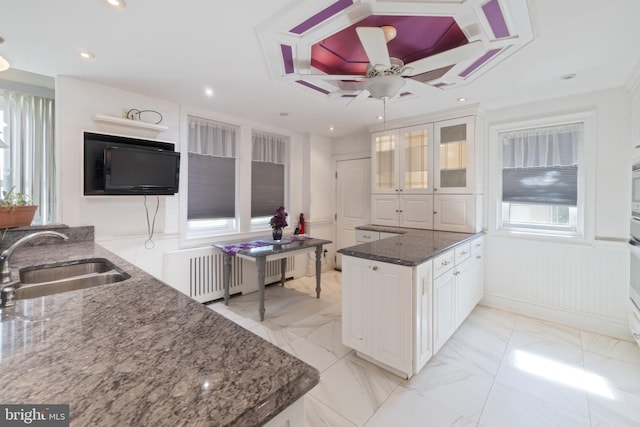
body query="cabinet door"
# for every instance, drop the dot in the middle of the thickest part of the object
(416, 211)
(416, 159)
(424, 312)
(385, 209)
(454, 212)
(454, 156)
(392, 340)
(443, 309)
(464, 291)
(385, 163)
(356, 303)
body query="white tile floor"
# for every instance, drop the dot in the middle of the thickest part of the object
(499, 369)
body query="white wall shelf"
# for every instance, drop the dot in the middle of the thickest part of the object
(104, 118)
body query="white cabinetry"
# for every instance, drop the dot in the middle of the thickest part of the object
(414, 168)
(405, 210)
(398, 317)
(457, 288)
(377, 322)
(365, 236)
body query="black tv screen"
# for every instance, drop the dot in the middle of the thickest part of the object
(118, 165)
(140, 171)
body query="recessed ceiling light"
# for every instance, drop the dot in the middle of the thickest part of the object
(380, 117)
(462, 99)
(331, 128)
(86, 54)
(209, 92)
(569, 76)
(116, 3)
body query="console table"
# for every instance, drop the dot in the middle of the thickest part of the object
(262, 250)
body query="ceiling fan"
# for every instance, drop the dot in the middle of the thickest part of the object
(385, 75)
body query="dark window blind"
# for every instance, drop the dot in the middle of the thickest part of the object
(212, 187)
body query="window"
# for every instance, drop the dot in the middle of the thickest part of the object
(541, 175)
(212, 177)
(27, 158)
(268, 169)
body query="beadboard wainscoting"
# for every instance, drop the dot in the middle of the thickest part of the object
(581, 285)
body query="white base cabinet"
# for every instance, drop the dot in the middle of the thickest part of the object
(398, 317)
(405, 210)
(389, 312)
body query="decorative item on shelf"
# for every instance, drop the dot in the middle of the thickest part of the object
(278, 222)
(16, 210)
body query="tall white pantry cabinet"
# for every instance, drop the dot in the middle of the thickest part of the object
(429, 175)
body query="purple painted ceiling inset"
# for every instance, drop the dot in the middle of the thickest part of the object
(287, 58)
(418, 37)
(484, 58)
(312, 86)
(323, 15)
(495, 17)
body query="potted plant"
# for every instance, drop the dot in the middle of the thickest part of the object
(16, 209)
(278, 222)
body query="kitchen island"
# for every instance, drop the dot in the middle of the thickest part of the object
(138, 353)
(403, 296)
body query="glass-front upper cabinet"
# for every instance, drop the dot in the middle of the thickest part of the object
(454, 149)
(402, 160)
(385, 162)
(416, 162)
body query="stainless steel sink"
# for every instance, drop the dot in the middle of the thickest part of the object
(51, 279)
(55, 272)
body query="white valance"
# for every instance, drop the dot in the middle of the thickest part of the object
(212, 138)
(543, 147)
(269, 147)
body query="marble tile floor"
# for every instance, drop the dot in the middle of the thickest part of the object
(499, 369)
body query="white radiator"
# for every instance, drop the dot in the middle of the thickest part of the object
(198, 273)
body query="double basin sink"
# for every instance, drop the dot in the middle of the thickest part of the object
(52, 279)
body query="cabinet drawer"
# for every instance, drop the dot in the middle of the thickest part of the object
(477, 247)
(364, 236)
(463, 252)
(443, 263)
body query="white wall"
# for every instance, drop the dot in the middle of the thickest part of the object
(76, 104)
(322, 195)
(120, 221)
(581, 284)
(352, 144)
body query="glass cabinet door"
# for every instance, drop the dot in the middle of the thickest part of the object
(453, 138)
(385, 163)
(416, 165)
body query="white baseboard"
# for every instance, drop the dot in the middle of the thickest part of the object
(609, 327)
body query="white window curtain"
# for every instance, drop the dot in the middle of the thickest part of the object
(212, 169)
(29, 162)
(540, 166)
(269, 159)
(212, 138)
(544, 147)
(267, 147)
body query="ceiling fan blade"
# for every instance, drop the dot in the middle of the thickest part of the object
(452, 56)
(375, 46)
(295, 77)
(364, 94)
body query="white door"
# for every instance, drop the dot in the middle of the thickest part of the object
(354, 201)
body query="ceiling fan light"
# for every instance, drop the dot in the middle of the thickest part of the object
(384, 87)
(4, 64)
(390, 32)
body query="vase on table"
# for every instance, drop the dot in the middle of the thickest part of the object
(277, 234)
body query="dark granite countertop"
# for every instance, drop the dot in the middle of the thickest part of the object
(410, 247)
(139, 353)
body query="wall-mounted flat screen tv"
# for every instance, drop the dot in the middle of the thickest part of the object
(116, 165)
